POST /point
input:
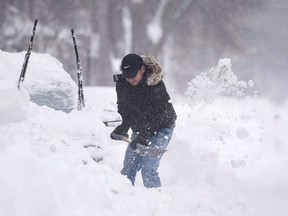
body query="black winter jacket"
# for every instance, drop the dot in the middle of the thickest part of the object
(147, 107)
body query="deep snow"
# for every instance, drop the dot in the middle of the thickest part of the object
(227, 157)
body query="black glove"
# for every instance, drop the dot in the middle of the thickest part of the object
(138, 140)
(141, 138)
(118, 133)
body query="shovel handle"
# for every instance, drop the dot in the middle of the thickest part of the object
(144, 150)
(120, 137)
(126, 139)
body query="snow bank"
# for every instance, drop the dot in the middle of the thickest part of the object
(51, 160)
(13, 104)
(236, 148)
(46, 81)
(228, 157)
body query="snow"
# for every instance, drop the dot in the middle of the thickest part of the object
(228, 157)
(46, 82)
(220, 80)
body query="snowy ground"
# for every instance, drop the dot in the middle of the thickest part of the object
(228, 157)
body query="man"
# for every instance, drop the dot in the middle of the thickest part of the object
(146, 108)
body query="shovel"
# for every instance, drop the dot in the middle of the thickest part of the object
(141, 149)
(149, 150)
(112, 123)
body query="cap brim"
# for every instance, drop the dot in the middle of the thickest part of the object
(130, 74)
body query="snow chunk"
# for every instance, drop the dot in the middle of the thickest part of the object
(250, 83)
(218, 81)
(242, 133)
(238, 163)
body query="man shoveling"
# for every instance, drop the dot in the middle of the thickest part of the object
(146, 108)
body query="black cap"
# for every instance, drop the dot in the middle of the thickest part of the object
(130, 65)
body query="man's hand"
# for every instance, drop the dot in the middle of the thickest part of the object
(119, 134)
(138, 140)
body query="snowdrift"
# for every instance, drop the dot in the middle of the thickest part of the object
(46, 81)
(227, 157)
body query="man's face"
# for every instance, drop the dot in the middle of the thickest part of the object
(137, 79)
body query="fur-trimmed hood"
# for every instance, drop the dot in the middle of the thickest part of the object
(154, 69)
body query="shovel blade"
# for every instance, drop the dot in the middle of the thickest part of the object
(149, 150)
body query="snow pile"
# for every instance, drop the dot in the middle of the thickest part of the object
(236, 148)
(46, 81)
(218, 81)
(225, 158)
(13, 104)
